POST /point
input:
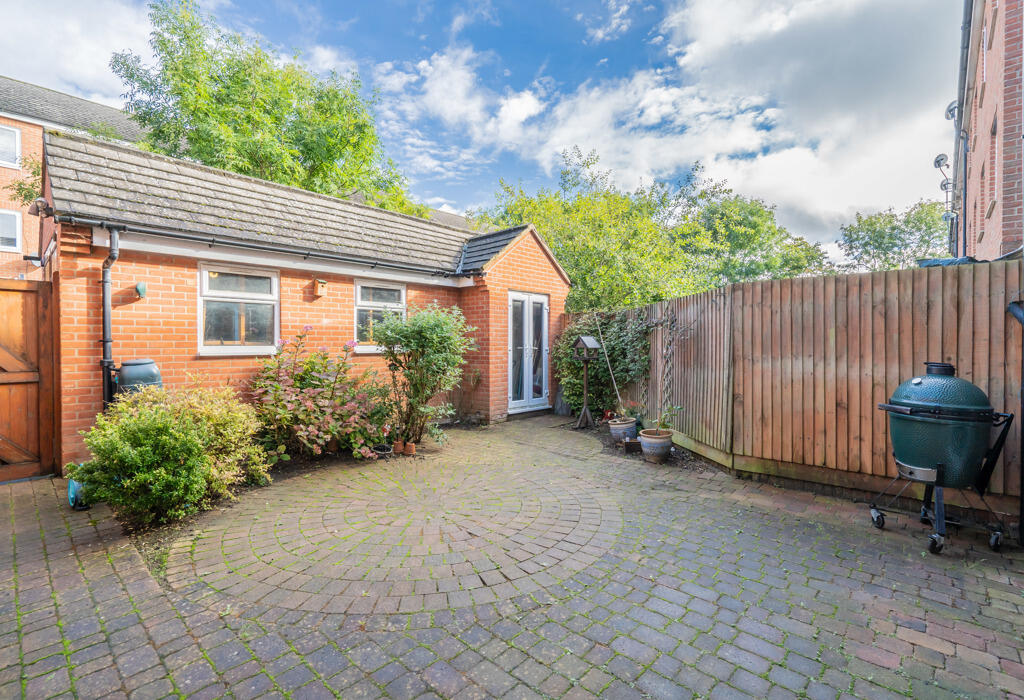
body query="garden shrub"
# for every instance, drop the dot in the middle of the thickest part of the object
(627, 341)
(425, 354)
(309, 402)
(231, 428)
(161, 454)
(148, 463)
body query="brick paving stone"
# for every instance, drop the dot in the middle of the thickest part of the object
(520, 561)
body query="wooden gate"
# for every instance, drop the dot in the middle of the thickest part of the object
(26, 380)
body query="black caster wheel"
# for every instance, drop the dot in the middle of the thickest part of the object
(877, 519)
(995, 542)
(935, 543)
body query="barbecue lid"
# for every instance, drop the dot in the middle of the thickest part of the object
(941, 393)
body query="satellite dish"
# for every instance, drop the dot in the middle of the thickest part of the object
(941, 160)
(948, 216)
(951, 110)
(947, 185)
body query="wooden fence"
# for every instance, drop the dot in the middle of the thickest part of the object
(784, 377)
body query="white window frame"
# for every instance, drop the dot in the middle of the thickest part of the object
(17, 148)
(19, 241)
(370, 348)
(205, 293)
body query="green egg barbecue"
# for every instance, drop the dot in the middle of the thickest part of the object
(941, 429)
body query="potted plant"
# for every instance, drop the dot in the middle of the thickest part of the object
(623, 426)
(656, 442)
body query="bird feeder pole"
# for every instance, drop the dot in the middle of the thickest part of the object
(586, 348)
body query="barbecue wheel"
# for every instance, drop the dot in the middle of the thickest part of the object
(995, 541)
(878, 520)
(934, 544)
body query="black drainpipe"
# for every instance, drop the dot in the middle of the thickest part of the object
(107, 363)
(1016, 309)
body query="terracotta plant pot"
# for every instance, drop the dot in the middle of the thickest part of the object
(656, 445)
(398, 446)
(622, 428)
(410, 449)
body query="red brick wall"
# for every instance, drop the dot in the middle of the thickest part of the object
(993, 208)
(523, 267)
(163, 326)
(12, 266)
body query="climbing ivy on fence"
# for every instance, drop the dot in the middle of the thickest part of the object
(627, 339)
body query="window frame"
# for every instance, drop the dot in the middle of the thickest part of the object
(206, 294)
(364, 348)
(16, 165)
(19, 240)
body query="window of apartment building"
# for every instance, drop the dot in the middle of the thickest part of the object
(993, 166)
(374, 301)
(10, 147)
(10, 231)
(984, 53)
(239, 310)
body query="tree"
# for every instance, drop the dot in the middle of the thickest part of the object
(627, 248)
(221, 99)
(27, 188)
(891, 240)
(751, 245)
(618, 247)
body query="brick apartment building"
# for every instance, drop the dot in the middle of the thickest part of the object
(26, 110)
(988, 149)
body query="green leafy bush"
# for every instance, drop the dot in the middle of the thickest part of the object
(309, 402)
(230, 430)
(149, 464)
(627, 341)
(425, 354)
(161, 454)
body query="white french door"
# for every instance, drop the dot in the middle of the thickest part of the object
(527, 351)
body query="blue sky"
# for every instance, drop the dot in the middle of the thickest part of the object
(821, 107)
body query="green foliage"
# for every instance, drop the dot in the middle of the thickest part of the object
(28, 188)
(660, 241)
(425, 354)
(891, 240)
(627, 341)
(227, 101)
(309, 402)
(161, 454)
(149, 464)
(618, 247)
(750, 245)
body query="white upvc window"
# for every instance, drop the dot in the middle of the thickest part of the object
(239, 310)
(10, 231)
(10, 147)
(374, 302)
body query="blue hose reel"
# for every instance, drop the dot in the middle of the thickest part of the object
(76, 498)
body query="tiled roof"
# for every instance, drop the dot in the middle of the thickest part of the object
(480, 249)
(43, 104)
(122, 184)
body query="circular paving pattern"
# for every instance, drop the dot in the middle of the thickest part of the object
(399, 536)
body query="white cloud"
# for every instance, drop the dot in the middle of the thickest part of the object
(823, 107)
(74, 55)
(614, 25)
(323, 59)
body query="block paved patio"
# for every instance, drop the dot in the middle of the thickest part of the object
(521, 561)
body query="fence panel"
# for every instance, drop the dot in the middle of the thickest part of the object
(791, 371)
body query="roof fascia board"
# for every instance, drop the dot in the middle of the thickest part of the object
(222, 252)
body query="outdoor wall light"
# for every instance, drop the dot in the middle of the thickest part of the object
(140, 289)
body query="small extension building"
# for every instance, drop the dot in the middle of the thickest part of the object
(210, 270)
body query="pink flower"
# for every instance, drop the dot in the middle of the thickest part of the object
(307, 328)
(323, 348)
(350, 344)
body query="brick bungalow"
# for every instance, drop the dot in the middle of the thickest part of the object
(212, 269)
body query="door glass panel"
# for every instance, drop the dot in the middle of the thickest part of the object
(538, 354)
(518, 348)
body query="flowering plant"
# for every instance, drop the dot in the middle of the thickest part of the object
(307, 400)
